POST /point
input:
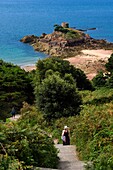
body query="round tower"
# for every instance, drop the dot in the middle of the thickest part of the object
(65, 24)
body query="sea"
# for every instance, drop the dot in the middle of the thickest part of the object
(34, 17)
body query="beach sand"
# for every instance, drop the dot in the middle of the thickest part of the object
(29, 68)
(90, 61)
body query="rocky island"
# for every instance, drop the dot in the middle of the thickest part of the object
(81, 50)
(65, 42)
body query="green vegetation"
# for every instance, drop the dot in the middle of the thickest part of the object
(105, 80)
(62, 67)
(57, 97)
(26, 143)
(15, 87)
(60, 91)
(60, 29)
(70, 34)
(99, 80)
(109, 64)
(55, 88)
(92, 130)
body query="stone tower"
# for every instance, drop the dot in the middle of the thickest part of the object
(65, 25)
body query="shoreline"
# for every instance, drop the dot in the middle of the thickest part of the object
(28, 68)
(90, 61)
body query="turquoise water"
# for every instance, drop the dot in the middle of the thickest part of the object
(19, 18)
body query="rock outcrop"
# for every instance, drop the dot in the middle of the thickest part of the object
(65, 42)
(29, 39)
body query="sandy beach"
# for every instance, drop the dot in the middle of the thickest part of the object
(28, 68)
(90, 61)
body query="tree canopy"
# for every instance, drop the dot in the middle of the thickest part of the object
(15, 87)
(63, 67)
(109, 64)
(105, 79)
(99, 80)
(57, 97)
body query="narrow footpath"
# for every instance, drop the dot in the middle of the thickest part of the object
(15, 118)
(68, 158)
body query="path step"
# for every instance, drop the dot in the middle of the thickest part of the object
(68, 158)
(47, 169)
(15, 118)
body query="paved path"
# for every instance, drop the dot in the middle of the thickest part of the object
(15, 118)
(68, 158)
(67, 154)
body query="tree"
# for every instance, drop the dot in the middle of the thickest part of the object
(109, 64)
(63, 67)
(15, 87)
(57, 97)
(99, 80)
(110, 81)
(60, 29)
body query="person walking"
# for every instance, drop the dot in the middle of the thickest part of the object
(13, 111)
(66, 136)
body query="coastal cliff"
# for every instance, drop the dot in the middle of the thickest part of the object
(65, 42)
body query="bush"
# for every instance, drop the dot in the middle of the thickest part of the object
(60, 29)
(93, 132)
(99, 80)
(110, 81)
(26, 144)
(57, 97)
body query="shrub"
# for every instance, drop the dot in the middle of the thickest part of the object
(26, 144)
(60, 29)
(57, 97)
(99, 80)
(110, 81)
(93, 132)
